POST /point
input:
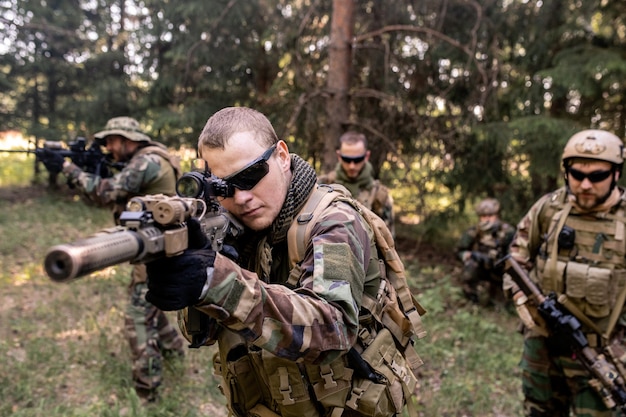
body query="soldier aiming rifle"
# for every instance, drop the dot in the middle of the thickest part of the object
(312, 283)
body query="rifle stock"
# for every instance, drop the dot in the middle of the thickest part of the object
(605, 376)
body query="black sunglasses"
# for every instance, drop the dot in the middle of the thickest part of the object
(250, 175)
(355, 159)
(595, 176)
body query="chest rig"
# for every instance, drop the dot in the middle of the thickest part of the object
(492, 241)
(582, 257)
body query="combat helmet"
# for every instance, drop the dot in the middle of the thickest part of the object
(123, 126)
(488, 207)
(594, 144)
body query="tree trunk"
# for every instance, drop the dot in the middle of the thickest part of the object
(339, 71)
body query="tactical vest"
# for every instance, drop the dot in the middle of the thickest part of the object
(582, 257)
(375, 379)
(374, 199)
(165, 183)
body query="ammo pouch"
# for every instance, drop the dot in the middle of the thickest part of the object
(591, 289)
(240, 384)
(387, 398)
(588, 288)
(299, 390)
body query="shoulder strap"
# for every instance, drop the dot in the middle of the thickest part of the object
(300, 230)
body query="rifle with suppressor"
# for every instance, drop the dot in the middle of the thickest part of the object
(154, 226)
(151, 227)
(88, 158)
(607, 373)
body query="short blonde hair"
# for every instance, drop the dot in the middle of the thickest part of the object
(351, 137)
(230, 120)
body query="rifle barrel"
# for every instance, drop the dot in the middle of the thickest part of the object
(69, 261)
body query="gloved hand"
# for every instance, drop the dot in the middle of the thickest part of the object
(53, 161)
(482, 259)
(175, 283)
(230, 252)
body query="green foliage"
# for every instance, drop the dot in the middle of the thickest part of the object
(458, 102)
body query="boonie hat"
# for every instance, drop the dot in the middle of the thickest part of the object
(122, 126)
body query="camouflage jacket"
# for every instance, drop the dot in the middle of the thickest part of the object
(318, 320)
(375, 196)
(493, 242)
(146, 173)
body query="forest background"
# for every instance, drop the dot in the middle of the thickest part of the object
(460, 100)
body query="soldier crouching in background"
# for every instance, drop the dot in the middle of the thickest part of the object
(479, 248)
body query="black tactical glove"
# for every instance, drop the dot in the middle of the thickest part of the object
(230, 252)
(53, 161)
(175, 283)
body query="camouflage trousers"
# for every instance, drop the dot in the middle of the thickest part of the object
(150, 335)
(554, 383)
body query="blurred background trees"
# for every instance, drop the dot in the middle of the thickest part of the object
(460, 99)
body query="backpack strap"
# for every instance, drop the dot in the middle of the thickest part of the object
(299, 232)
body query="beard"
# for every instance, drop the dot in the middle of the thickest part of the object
(589, 201)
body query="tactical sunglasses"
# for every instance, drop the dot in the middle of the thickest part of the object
(595, 176)
(249, 176)
(355, 159)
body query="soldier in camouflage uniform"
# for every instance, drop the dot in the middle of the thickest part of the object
(282, 349)
(355, 172)
(479, 248)
(148, 169)
(572, 242)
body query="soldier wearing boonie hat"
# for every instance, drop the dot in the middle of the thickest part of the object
(122, 126)
(149, 169)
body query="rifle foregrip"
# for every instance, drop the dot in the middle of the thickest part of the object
(69, 261)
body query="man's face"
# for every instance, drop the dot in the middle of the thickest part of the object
(486, 221)
(258, 207)
(353, 157)
(115, 146)
(590, 190)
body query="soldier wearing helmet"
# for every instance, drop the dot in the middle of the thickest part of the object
(572, 243)
(479, 248)
(148, 169)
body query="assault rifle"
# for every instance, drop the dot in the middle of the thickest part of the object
(606, 372)
(151, 227)
(89, 158)
(154, 226)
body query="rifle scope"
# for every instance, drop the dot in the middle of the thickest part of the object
(200, 185)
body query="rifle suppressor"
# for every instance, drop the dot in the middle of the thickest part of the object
(69, 261)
